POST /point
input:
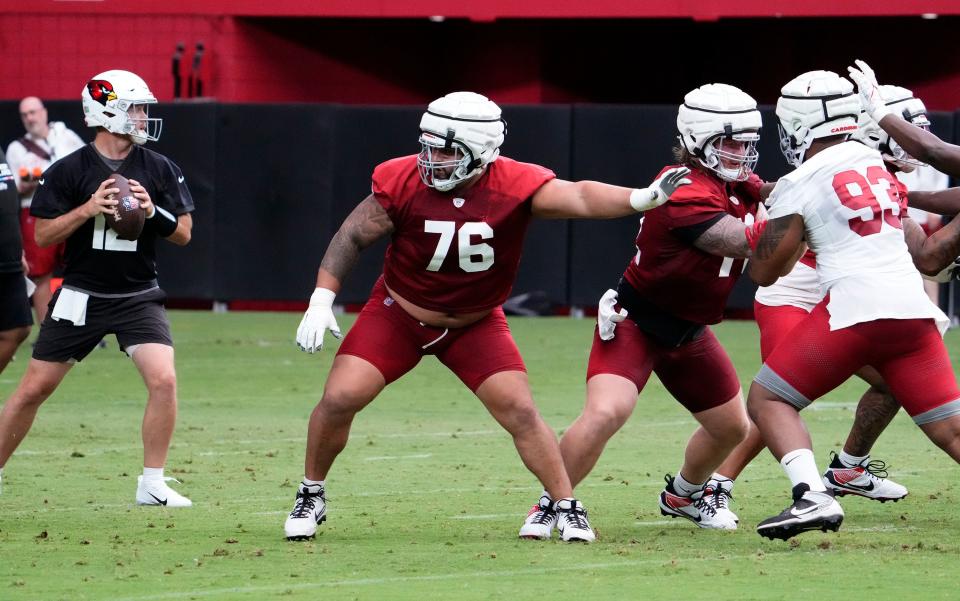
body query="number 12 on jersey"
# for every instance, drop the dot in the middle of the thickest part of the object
(472, 257)
(105, 238)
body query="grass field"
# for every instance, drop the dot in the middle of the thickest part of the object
(426, 501)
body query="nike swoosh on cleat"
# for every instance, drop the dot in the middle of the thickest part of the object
(163, 502)
(793, 510)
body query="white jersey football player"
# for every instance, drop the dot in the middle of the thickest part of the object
(844, 203)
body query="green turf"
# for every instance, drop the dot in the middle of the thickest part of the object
(426, 501)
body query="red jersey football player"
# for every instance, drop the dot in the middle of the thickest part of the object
(690, 252)
(457, 214)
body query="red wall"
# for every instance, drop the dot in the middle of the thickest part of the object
(53, 56)
(400, 61)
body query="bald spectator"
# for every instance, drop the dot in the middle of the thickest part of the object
(28, 156)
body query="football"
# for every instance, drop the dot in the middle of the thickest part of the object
(127, 218)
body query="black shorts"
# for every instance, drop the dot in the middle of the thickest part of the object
(134, 319)
(14, 304)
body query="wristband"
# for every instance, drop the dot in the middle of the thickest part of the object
(322, 297)
(753, 233)
(641, 199)
(163, 222)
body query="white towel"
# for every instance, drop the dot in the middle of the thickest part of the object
(72, 306)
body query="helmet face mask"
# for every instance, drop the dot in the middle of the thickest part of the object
(118, 101)
(719, 125)
(794, 145)
(729, 165)
(443, 165)
(460, 134)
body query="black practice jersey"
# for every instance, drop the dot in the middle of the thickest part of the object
(11, 248)
(96, 260)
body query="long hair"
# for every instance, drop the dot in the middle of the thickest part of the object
(683, 157)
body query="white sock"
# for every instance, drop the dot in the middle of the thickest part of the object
(850, 460)
(309, 482)
(153, 473)
(684, 487)
(723, 481)
(802, 467)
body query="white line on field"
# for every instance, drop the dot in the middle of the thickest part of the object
(244, 590)
(486, 516)
(888, 528)
(659, 522)
(389, 457)
(259, 441)
(200, 504)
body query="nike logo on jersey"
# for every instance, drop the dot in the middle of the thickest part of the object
(40, 181)
(458, 202)
(163, 502)
(180, 180)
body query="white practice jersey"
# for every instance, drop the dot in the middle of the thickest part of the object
(799, 288)
(851, 211)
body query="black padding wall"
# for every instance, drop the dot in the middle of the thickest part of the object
(273, 182)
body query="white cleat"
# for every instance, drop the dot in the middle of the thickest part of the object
(154, 491)
(540, 521)
(869, 479)
(703, 509)
(717, 495)
(572, 523)
(309, 511)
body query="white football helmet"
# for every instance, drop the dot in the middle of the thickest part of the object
(712, 113)
(900, 101)
(460, 134)
(817, 104)
(108, 99)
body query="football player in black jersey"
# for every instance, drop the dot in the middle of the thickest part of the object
(110, 285)
(15, 318)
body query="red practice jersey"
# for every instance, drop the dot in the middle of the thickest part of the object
(456, 252)
(670, 272)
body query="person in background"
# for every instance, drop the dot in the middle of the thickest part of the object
(28, 157)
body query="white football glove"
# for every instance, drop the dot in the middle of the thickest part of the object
(607, 317)
(317, 320)
(660, 190)
(869, 90)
